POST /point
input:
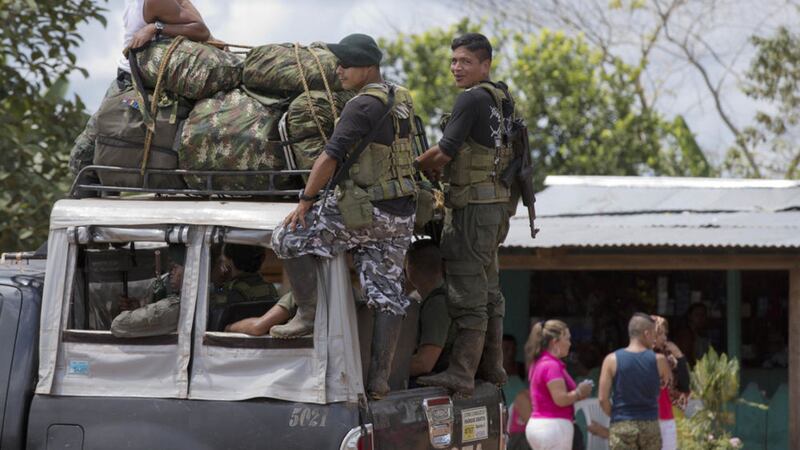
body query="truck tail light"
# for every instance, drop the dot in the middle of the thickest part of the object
(358, 438)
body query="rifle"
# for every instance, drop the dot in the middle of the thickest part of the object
(420, 144)
(519, 173)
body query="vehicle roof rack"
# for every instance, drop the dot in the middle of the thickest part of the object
(87, 182)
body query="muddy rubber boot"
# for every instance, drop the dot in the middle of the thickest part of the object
(464, 358)
(385, 335)
(491, 367)
(302, 273)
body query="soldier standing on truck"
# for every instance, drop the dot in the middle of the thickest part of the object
(144, 20)
(473, 153)
(372, 211)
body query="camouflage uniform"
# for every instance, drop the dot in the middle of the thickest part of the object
(154, 319)
(247, 287)
(378, 251)
(635, 435)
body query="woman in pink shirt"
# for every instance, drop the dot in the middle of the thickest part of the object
(677, 391)
(553, 391)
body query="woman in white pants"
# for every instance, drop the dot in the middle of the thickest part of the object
(553, 391)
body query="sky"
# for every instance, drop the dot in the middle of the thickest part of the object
(258, 22)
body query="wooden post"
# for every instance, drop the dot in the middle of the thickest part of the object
(794, 358)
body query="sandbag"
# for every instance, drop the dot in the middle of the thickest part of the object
(301, 128)
(121, 135)
(273, 69)
(232, 131)
(195, 70)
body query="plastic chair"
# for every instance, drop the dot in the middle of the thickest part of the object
(591, 410)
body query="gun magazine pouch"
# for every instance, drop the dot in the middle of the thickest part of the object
(354, 205)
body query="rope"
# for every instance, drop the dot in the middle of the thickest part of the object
(148, 139)
(328, 92)
(308, 92)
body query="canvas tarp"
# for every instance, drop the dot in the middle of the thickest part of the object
(328, 372)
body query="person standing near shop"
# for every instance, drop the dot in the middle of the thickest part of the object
(636, 374)
(372, 213)
(553, 391)
(676, 391)
(143, 21)
(471, 155)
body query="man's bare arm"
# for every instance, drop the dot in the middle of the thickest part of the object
(180, 18)
(432, 161)
(424, 359)
(607, 372)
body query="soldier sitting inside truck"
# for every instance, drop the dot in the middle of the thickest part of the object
(161, 316)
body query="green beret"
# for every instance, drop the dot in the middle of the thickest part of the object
(357, 50)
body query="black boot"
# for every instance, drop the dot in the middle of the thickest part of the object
(491, 366)
(302, 272)
(464, 358)
(385, 335)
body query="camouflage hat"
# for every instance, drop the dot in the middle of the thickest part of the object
(177, 254)
(357, 50)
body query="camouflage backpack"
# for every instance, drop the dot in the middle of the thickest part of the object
(302, 130)
(274, 68)
(194, 70)
(232, 131)
(121, 135)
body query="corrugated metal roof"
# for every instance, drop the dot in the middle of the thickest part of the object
(663, 212)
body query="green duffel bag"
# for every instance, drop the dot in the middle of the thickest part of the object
(302, 129)
(274, 69)
(232, 131)
(194, 70)
(121, 136)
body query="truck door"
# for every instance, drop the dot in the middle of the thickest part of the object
(10, 307)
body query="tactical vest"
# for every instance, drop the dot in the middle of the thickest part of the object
(385, 171)
(473, 176)
(249, 287)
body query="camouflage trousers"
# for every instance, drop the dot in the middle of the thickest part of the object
(82, 152)
(378, 251)
(470, 239)
(635, 435)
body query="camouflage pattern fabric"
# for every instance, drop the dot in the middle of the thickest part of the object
(154, 319)
(378, 251)
(82, 153)
(635, 435)
(195, 70)
(273, 69)
(303, 130)
(231, 131)
(470, 239)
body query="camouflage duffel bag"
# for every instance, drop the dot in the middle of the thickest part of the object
(121, 133)
(274, 68)
(302, 130)
(194, 70)
(232, 131)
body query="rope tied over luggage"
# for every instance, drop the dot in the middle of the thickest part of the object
(307, 90)
(162, 68)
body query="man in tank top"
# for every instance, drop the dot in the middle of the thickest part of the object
(143, 20)
(636, 374)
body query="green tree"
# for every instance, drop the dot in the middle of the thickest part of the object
(774, 78)
(585, 116)
(37, 123)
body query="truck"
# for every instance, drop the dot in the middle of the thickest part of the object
(67, 382)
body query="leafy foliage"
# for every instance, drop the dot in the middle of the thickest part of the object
(774, 77)
(715, 381)
(37, 124)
